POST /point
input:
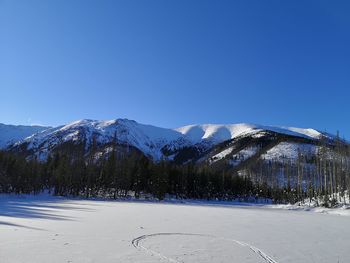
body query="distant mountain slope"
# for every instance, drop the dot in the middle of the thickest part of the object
(219, 133)
(232, 144)
(264, 145)
(12, 133)
(146, 138)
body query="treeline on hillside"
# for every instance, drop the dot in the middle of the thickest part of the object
(120, 177)
(325, 174)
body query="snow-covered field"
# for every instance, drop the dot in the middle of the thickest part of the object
(51, 229)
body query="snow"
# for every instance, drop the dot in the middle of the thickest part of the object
(242, 155)
(36, 229)
(341, 205)
(12, 133)
(237, 158)
(215, 132)
(308, 132)
(288, 150)
(300, 132)
(222, 154)
(223, 132)
(343, 210)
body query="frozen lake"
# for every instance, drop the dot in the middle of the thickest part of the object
(50, 229)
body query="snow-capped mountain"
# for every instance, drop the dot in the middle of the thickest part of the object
(146, 138)
(212, 143)
(220, 133)
(10, 134)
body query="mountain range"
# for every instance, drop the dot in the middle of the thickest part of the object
(234, 145)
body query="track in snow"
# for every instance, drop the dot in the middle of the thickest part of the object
(136, 242)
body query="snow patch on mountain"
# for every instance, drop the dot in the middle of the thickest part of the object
(221, 155)
(312, 133)
(242, 155)
(222, 132)
(288, 150)
(236, 158)
(12, 133)
(214, 132)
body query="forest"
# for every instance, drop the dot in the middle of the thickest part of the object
(325, 175)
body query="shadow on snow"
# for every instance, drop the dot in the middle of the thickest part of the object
(36, 208)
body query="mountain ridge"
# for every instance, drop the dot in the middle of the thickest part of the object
(191, 143)
(10, 133)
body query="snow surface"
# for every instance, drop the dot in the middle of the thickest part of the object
(308, 132)
(343, 210)
(36, 229)
(222, 154)
(242, 155)
(340, 207)
(214, 132)
(237, 158)
(12, 133)
(288, 150)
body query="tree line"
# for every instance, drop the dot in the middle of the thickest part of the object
(121, 175)
(320, 177)
(115, 177)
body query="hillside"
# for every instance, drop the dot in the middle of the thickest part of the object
(10, 134)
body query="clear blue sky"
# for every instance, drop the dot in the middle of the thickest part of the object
(172, 63)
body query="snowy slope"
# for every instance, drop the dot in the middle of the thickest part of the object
(221, 132)
(287, 150)
(12, 133)
(235, 159)
(148, 139)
